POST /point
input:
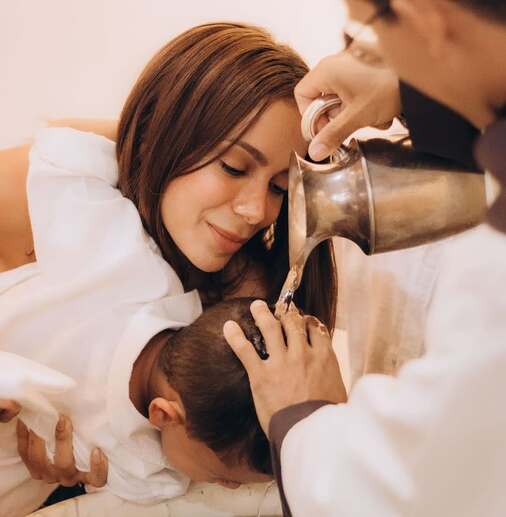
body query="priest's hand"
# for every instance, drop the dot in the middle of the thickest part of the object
(300, 367)
(369, 91)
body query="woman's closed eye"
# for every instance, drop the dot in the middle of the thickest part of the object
(231, 170)
(237, 173)
(276, 189)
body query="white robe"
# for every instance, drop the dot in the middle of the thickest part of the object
(431, 441)
(382, 306)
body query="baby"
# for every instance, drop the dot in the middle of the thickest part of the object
(192, 387)
(101, 307)
(195, 397)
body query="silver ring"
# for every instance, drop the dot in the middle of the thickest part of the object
(314, 111)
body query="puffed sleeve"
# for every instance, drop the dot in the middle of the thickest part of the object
(80, 220)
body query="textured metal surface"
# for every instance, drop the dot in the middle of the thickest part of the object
(381, 194)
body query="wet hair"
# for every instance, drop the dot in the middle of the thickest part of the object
(197, 89)
(214, 387)
(491, 9)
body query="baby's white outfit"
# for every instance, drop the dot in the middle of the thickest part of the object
(97, 294)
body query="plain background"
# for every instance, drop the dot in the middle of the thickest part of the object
(79, 58)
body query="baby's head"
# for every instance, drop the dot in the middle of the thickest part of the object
(205, 409)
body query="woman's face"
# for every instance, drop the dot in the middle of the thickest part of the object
(212, 212)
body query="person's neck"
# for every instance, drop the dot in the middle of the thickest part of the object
(142, 381)
(487, 93)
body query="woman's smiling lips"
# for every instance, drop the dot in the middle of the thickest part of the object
(228, 242)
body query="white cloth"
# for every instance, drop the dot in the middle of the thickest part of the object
(99, 291)
(35, 387)
(383, 302)
(430, 441)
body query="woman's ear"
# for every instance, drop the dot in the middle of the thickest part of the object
(428, 19)
(163, 412)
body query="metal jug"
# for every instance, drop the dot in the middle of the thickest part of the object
(379, 193)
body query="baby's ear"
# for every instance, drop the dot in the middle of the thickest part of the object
(163, 412)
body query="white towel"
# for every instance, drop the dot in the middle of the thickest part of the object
(34, 386)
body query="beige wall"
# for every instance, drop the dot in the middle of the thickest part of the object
(62, 58)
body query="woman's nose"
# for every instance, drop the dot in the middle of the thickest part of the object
(251, 205)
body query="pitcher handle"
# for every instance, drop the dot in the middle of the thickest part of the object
(310, 117)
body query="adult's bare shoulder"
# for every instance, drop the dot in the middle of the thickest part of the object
(13, 173)
(15, 230)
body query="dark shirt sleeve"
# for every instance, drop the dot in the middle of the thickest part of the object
(436, 129)
(280, 424)
(490, 152)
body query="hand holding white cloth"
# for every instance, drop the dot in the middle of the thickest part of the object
(33, 386)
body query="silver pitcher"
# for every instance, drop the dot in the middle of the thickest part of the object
(379, 193)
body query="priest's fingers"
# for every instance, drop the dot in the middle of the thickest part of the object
(242, 348)
(294, 326)
(318, 334)
(270, 327)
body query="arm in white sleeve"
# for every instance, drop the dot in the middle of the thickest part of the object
(35, 387)
(430, 441)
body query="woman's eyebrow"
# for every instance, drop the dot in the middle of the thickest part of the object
(254, 152)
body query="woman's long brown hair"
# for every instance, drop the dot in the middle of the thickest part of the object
(191, 95)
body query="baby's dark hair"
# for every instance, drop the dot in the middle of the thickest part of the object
(214, 387)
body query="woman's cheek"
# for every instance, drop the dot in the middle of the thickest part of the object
(275, 209)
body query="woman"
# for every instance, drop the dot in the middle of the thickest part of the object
(203, 145)
(187, 121)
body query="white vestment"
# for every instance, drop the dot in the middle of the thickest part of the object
(382, 304)
(430, 441)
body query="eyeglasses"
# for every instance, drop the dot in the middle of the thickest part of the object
(349, 39)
